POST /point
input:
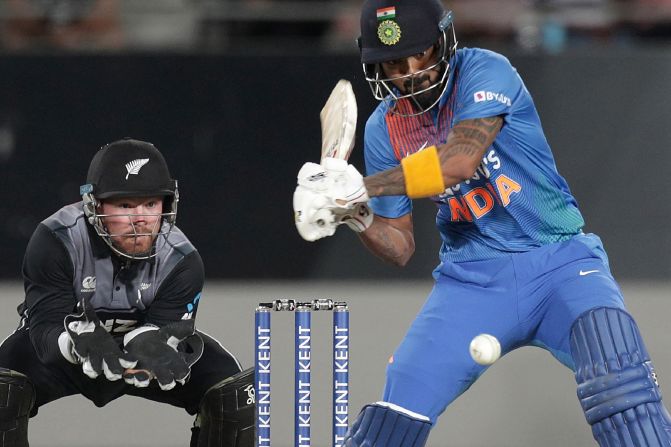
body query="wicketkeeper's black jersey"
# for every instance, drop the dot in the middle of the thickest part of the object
(66, 261)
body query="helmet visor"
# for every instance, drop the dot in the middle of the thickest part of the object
(134, 235)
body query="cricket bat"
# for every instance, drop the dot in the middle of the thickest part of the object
(338, 122)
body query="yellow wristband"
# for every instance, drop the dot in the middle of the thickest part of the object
(423, 176)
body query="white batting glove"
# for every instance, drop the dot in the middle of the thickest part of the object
(313, 220)
(328, 195)
(346, 187)
(313, 177)
(358, 219)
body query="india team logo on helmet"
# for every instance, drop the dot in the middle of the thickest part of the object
(389, 32)
(397, 29)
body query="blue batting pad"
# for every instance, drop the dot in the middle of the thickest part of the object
(617, 385)
(386, 425)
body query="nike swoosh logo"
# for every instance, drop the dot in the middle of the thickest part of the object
(587, 272)
(423, 145)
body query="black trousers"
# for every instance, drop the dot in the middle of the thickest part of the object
(61, 379)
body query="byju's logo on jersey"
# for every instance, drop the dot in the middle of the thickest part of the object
(89, 284)
(491, 96)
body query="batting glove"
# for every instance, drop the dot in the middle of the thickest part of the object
(346, 187)
(313, 220)
(358, 219)
(328, 195)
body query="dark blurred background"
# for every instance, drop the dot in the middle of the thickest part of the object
(231, 91)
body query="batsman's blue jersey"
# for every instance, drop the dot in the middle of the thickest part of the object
(516, 200)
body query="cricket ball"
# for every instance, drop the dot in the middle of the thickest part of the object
(485, 349)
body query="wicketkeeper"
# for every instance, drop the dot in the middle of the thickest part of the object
(459, 127)
(112, 288)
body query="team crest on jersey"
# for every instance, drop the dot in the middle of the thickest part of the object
(89, 284)
(389, 32)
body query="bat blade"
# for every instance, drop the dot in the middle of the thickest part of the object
(338, 122)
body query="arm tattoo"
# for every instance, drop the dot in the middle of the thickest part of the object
(390, 239)
(386, 183)
(469, 138)
(385, 246)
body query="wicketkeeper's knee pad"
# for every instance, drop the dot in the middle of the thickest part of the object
(226, 414)
(383, 424)
(17, 397)
(617, 385)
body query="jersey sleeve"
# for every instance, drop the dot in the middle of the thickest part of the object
(488, 86)
(379, 156)
(48, 276)
(180, 292)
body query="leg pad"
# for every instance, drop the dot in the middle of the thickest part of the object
(227, 413)
(617, 384)
(387, 425)
(17, 397)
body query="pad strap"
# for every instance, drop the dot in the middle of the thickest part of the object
(602, 397)
(423, 174)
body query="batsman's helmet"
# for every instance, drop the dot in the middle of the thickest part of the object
(396, 29)
(129, 168)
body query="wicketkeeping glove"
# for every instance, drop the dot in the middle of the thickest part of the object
(165, 353)
(92, 346)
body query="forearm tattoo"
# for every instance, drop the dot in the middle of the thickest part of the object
(384, 245)
(468, 137)
(388, 242)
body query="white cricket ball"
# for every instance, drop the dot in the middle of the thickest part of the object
(485, 349)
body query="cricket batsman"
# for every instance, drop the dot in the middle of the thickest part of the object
(459, 127)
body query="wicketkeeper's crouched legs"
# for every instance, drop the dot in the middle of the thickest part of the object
(617, 385)
(17, 397)
(226, 415)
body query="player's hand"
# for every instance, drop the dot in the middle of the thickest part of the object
(313, 220)
(345, 185)
(165, 353)
(328, 195)
(312, 217)
(92, 346)
(358, 219)
(340, 183)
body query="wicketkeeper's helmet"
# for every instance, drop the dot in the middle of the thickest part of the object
(396, 29)
(129, 168)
